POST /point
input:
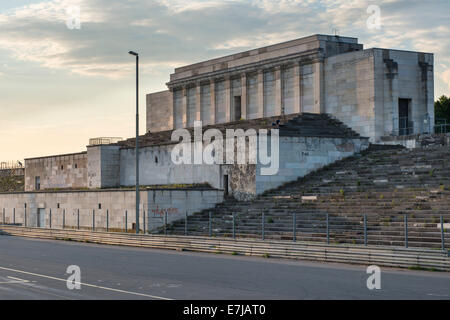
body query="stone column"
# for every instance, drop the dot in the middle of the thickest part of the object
(278, 92)
(244, 96)
(171, 107)
(297, 88)
(198, 102)
(319, 102)
(184, 105)
(260, 94)
(228, 103)
(212, 90)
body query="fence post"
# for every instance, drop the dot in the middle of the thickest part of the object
(78, 219)
(294, 227)
(186, 223)
(143, 217)
(210, 224)
(165, 223)
(64, 218)
(406, 231)
(234, 226)
(25, 215)
(365, 230)
(14, 215)
(263, 231)
(328, 228)
(442, 233)
(126, 221)
(93, 220)
(50, 219)
(107, 220)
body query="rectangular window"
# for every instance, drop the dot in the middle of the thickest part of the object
(37, 183)
(237, 108)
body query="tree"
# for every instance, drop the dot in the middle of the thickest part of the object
(442, 109)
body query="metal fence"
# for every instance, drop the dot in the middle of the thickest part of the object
(400, 230)
(441, 126)
(403, 230)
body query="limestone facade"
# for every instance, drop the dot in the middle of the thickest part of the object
(317, 74)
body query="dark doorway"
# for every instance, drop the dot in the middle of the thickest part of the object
(225, 184)
(404, 125)
(237, 108)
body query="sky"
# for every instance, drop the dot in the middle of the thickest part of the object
(67, 77)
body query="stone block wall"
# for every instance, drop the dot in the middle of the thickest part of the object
(62, 171)
(159, 111)
(300, 156)
(93, 208)
(349, 90)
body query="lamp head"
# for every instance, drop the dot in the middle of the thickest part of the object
(133, 53)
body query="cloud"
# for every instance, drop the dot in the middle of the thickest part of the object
(446, 77)
(170, 33)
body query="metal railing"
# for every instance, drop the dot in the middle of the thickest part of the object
(404, 126)
(10, 165)
(399, 230)
(441, 126)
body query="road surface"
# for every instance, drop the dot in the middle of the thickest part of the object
(36, 269)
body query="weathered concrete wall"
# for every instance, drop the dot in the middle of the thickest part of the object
(157, 168)
(93, 206)
(159, 111)
(177, 203)
(103, 166)
(62, 171)
(302, 155)
(349, 90)
(403, 75)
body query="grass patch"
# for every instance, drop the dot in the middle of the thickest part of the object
(419, 268)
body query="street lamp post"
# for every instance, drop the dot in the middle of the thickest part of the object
(137, 139)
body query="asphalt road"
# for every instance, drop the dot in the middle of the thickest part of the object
(36, 269)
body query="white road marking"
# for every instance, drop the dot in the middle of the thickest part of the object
(17, 279)
(85, 284)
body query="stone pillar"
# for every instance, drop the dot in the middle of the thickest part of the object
(244, 96)
(212, 90)
(297, 88)
(278, 92)
(260, 94)
(171, 107)
(228, 103)
(319, 101)
(198, 102)
(184, 106)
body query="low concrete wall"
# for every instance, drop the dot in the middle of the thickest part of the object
(417, 141)
(381, 256)
(102, 207)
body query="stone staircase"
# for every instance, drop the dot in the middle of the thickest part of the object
(385, 183)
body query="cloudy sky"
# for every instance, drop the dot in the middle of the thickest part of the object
(60, 85)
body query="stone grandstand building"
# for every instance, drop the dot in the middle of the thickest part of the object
(328, 96)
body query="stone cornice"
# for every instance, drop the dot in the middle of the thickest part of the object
(302, 58)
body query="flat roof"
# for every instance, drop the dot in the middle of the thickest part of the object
(273, 47)
(57, 156)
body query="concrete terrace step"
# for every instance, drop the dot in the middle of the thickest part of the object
(385, 183)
